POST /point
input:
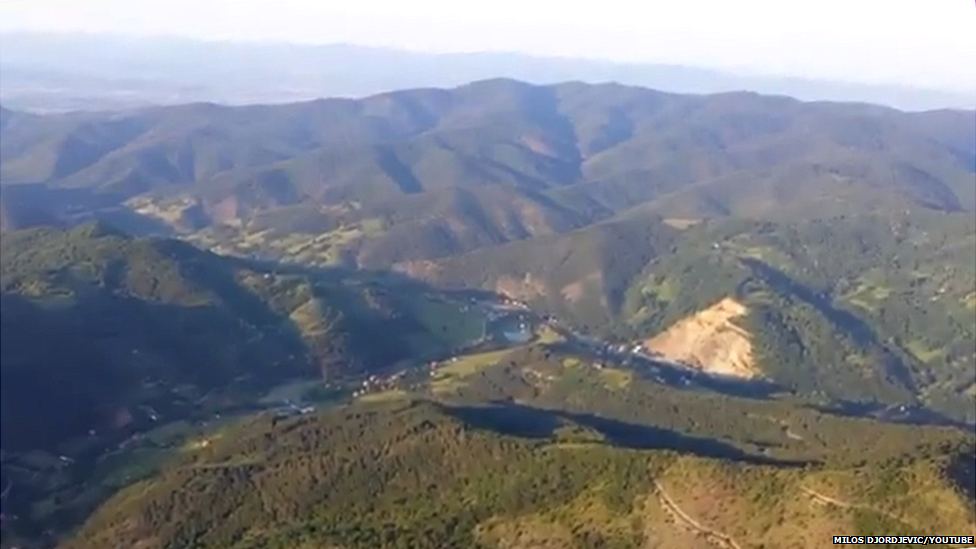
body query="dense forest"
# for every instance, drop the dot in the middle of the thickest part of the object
(416, 474)
(105, 336)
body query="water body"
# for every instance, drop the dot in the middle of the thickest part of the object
(517, 336)
(514, 329)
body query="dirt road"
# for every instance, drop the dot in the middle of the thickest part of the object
(720, 539)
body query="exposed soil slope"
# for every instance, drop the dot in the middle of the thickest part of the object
(710, 341)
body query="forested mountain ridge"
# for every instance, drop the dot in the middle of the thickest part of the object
(420, 474)
(604, 147)
(844, 229)
(160, 314)
(106, 336)
(867, 307)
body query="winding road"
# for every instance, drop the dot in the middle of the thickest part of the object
(724, 541)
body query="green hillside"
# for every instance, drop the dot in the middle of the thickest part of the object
(417, 474)
(106, 336)
(866, 307)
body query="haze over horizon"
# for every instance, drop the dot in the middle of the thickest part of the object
(871, 41)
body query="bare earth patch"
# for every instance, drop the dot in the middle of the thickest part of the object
(681, 223)
(524, 289)
(575, 291)
(422, 269)
(709, 341)
(538, 146)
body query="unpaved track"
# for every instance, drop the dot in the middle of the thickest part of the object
(844, 504)
(827, 499)
(724, 541)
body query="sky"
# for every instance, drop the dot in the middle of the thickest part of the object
(925, 43)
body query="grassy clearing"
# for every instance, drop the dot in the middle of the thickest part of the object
(547, 335)
(449, 321)
(663, 290)
(449, 377)
(867, 295)
(471, 364)
(344, 235)
(372, 226)
(767, 254)
(571, 362)
(880, 292)
(681, 223)
(861, 304)
(384, 396)
(615, 378)
(922, 352)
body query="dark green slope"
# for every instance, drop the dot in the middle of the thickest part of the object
(154, 314)
(151, 316)
(106, 337)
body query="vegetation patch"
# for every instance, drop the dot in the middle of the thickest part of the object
(383, 396)
(616, 378)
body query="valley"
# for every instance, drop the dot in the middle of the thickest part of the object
(556, 369)
(661, 320)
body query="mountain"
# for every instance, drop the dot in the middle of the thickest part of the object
(141, 321)
(570, 149)
(870, 307)
(592, 453)
(425, 475)
(844, 231)
(106, 337)
(61, 72)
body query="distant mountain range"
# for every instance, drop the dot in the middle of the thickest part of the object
(59, 72)
(845, 231)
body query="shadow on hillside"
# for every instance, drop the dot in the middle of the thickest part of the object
(365, 276)
(674, 376)
(962, 471)
(38, 204)
(909, 415)
(529, 422)
(894, 367)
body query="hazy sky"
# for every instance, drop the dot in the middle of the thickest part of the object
(928, 43)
